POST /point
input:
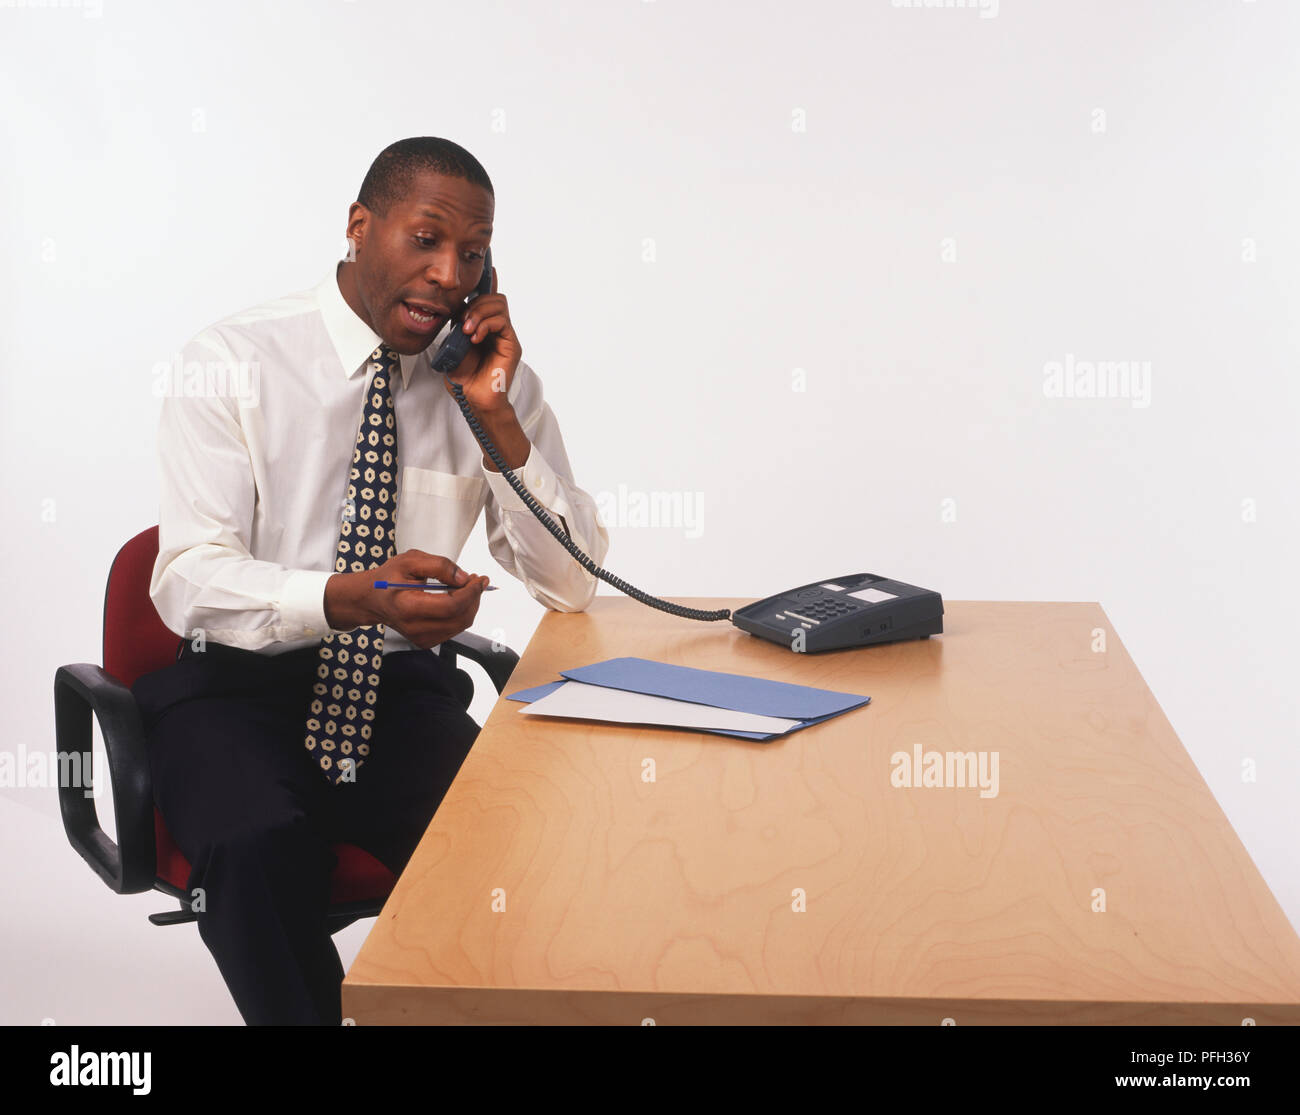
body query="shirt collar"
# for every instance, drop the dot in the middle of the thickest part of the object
(353, 339)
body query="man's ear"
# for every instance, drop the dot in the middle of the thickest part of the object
(358, 218)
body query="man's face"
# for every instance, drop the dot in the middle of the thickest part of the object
(415, 266)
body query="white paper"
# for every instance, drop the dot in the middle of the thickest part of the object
(600, 702)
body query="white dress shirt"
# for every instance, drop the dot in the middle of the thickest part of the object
(259, 421)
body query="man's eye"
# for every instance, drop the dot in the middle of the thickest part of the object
(430, 241)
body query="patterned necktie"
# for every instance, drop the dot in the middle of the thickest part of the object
(347, 677)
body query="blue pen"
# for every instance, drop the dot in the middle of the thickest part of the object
(421, 584)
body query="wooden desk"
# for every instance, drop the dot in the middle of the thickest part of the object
(671, 900)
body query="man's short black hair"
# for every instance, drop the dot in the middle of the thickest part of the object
(391, 175)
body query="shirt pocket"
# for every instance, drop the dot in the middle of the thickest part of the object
(437, 510)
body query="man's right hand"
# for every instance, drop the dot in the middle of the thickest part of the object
(425, 618)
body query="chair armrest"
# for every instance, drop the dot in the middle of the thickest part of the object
(128, 867)
(498, 661)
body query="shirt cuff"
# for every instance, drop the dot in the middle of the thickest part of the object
(535, 474)
(302, 604)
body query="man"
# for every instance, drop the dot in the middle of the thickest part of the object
(307, 707)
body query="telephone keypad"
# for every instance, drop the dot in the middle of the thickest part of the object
(823, 607)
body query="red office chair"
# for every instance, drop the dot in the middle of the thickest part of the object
(145, 857)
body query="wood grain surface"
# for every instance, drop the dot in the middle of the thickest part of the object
(557, 885)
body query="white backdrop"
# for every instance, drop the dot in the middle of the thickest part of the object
(807, 267)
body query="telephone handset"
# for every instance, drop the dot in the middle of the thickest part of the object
(920, 612)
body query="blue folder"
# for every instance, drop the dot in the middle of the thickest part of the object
(710, 687)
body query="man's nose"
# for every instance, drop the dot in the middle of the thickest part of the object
(444, 271)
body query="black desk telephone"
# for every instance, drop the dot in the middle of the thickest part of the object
(851, 611)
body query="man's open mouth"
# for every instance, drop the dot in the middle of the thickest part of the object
(422, 318)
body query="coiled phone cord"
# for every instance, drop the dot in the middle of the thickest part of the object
(562, 536)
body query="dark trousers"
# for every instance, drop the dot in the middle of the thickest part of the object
(255, 816)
